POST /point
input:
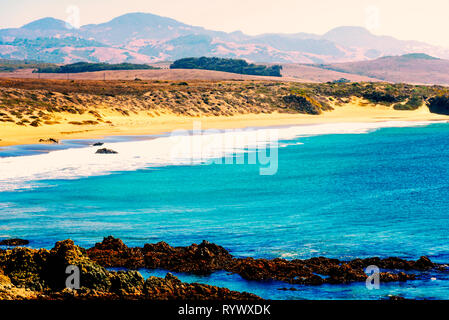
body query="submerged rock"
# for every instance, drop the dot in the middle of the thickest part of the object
(106, 151)
(14, 242)
(397, 298)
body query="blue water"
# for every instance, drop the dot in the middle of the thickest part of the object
(343, 196)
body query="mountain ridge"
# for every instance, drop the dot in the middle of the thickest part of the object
(144, 37)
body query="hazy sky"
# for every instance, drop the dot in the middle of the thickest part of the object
(404, 19)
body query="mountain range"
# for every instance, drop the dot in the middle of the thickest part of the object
(149, 38)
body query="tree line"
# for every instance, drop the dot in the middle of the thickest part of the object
(227, 65)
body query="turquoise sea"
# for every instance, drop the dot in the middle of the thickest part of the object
(382, 193)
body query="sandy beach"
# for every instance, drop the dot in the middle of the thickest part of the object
(143, 124)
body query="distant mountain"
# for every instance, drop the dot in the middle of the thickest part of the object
(418, 68)
(144, 38)
(362, 38)
(136, 26)
(46, 24)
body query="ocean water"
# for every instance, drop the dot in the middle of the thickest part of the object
(353, 193)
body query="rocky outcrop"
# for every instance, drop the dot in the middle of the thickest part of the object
(41, 274)
(10, 292)
(393, 263)
(208, 257)
(113, 253)
(171, 288)
(314, 271)
(201, 259)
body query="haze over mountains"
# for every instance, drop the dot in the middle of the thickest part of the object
(410, 68)
(146, 38)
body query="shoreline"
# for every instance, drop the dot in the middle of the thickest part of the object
(144, 125)
(183, 148)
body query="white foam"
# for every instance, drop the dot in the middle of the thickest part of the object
(24, 171)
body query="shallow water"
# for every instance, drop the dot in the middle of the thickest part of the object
(382, 193)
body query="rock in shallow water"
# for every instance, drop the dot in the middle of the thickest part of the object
(43, 272)
(106, 151)
(49, 140)
(207, 257)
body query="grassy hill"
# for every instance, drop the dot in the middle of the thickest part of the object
(13, 65)
(415, 68)
(45, 102)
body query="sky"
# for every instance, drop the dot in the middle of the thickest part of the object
(404, 19)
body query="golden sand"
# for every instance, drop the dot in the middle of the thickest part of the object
(142, 124)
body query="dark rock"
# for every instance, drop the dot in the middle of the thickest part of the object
(200, 259)
(424, 263)
(398, 298)
(43, 271)
(112, 252)
(65, 253)
(207, 257)
(46, 270)
(396, 277)
(98, 144)
(171, 288)
(25, 267)
(130, 282)
(106, 151)
(42, 274)
(14, 242)
(288, 289)
(49, 140)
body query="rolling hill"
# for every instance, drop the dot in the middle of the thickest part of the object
(409, 68)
